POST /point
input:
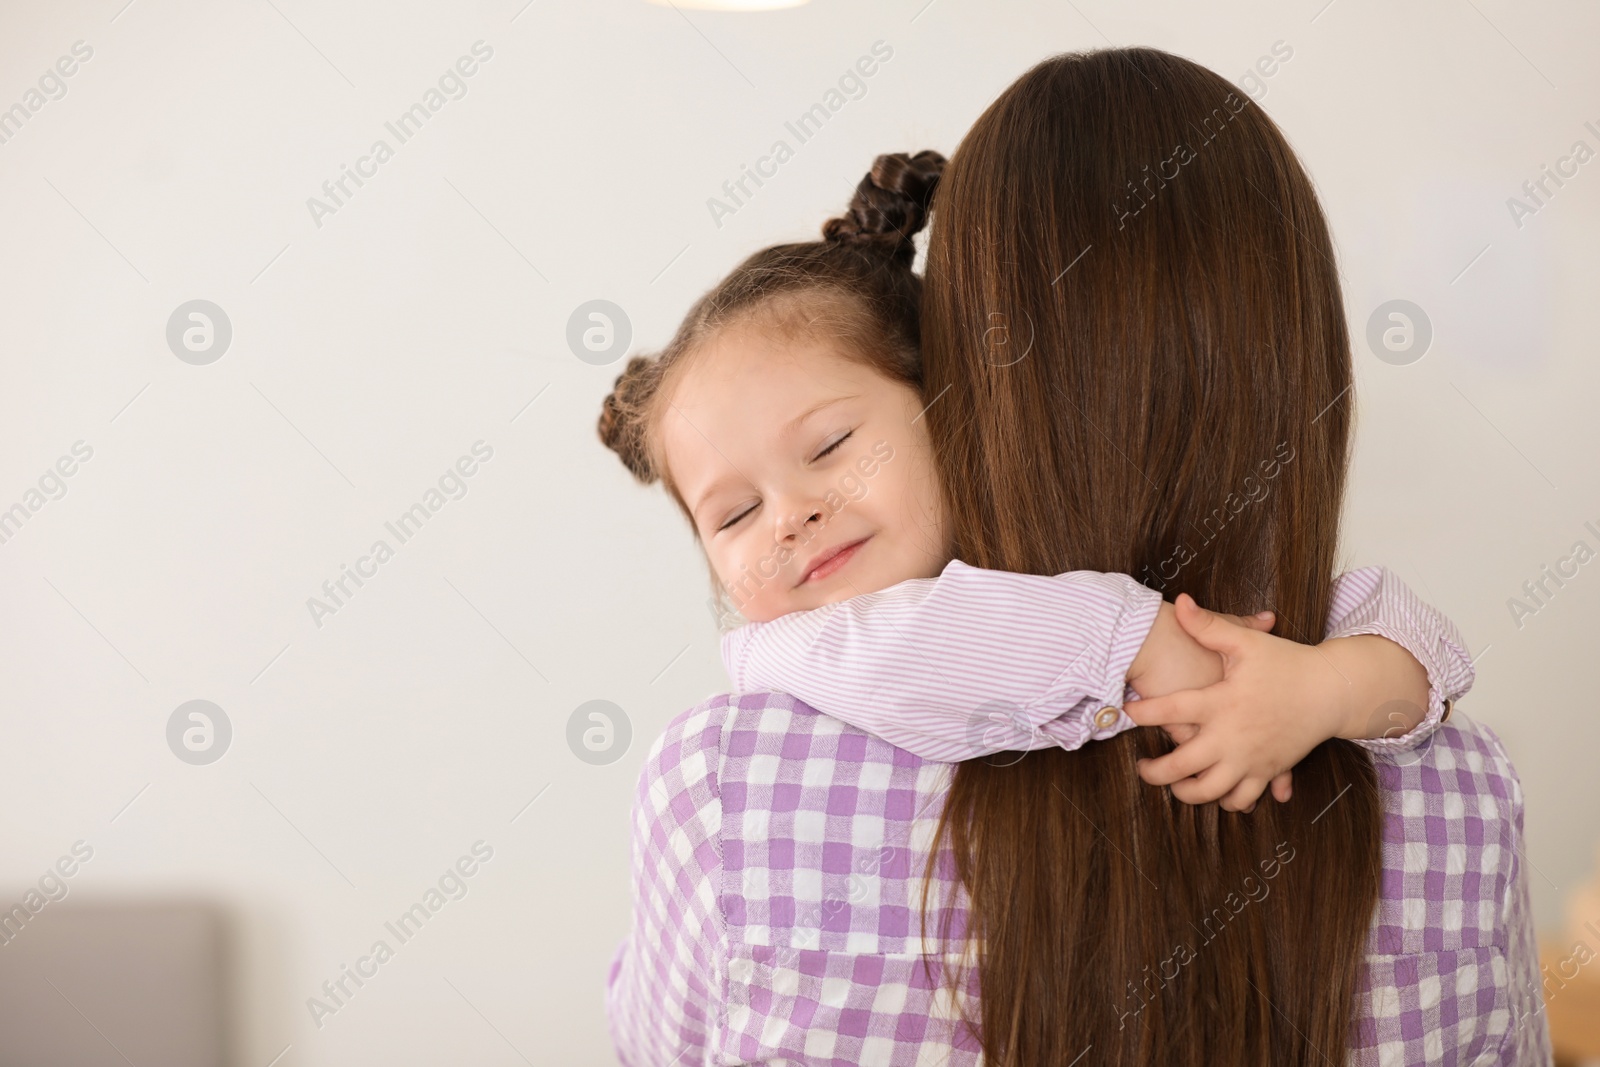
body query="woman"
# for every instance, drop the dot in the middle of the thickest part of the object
(1187, 321)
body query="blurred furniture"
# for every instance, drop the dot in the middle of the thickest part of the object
(1573, 1004)
(89, 984)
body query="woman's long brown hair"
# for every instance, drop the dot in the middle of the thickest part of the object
(1137, 360)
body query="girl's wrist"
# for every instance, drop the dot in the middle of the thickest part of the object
(1155, 641)
(1373, 695)
(1171, 659)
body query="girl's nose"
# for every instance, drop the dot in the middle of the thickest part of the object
(803, 521)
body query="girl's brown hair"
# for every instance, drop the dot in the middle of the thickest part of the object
(1134, 327)
(855, 286)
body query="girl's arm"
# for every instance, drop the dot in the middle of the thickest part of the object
(1373, 600)
(977, 661)
(962, 665)
(1278, 699)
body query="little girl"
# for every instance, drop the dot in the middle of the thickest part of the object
(785, 419)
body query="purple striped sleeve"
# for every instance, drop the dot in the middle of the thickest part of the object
(1373, 600)
(966, 664)
(980, 661)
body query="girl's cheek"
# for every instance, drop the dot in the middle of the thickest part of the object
(763, 607)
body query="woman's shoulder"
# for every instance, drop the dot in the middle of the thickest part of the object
(1462, 759)
(691, 733)
(769, 757)
(696, 739)
(683, 762)
(759, 735)
(1451, 842)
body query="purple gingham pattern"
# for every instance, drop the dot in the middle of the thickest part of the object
(827, 832)
(778, 854)
(666, 984)
(1528, 1036)
(1452, 961)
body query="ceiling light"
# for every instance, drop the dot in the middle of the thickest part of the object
(730, 5)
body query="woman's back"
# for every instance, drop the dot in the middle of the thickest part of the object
(779, 856)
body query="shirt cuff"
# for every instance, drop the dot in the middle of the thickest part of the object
(1106, 718)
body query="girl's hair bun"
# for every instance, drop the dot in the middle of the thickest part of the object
(890, 205)
(624, 416)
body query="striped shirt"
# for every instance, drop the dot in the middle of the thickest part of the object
(778, 852)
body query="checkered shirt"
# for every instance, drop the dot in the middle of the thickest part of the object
(777, 861)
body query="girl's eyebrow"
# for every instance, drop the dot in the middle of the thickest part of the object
(795, 422)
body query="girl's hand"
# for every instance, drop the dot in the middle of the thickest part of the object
(1277, 700)
(1171, 659)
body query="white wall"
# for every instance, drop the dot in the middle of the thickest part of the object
(372, 751)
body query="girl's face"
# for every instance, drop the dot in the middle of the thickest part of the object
(809, 475)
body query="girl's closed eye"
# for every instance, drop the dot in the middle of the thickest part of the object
(738, 516)
(835, 443)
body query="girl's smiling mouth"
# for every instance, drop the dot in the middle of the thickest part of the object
(832, 560)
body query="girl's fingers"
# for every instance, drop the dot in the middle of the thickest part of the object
(1182, 762)
(1243, 796)
(1209, 628)
(1216, 783)
(1181, 731)
(1261, 621)
(1283, 787)
(1185, 705)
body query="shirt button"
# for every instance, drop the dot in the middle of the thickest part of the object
(1106, 717)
